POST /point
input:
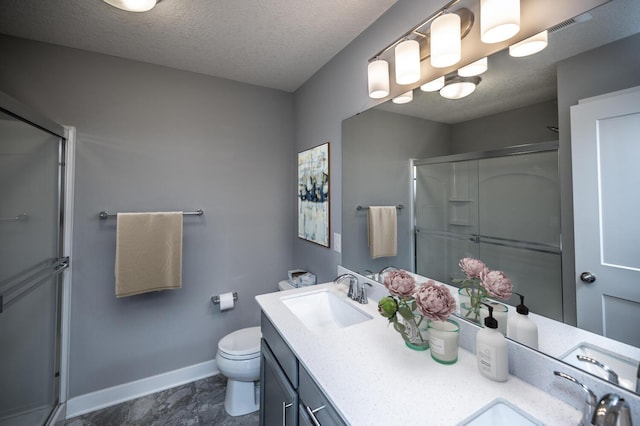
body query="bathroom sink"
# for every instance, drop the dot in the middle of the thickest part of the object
(625, 368)
(500, 413)
(323, 309)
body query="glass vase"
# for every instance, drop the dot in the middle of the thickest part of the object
(416, 333)
(469, 303)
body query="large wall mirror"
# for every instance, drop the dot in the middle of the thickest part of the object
(519, 101)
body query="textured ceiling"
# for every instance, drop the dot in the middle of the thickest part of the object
(273, 43)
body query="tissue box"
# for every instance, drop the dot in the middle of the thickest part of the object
(300, 278)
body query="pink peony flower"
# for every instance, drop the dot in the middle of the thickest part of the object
(497, 284)
(400, 283)
(473, 268)
(434, 301)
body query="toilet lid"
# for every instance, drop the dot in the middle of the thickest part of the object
(241, 342)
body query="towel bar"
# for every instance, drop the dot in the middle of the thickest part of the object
(104, 215)
(399, 207)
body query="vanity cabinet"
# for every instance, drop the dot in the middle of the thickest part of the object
(289, 396)
(278, 399)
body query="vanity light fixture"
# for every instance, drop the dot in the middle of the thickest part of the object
(474, 68)
(407, 55)
(446, 43)
(433, 85)
(378, 73)
(133, 5)
(457, 87)
(404, 98)
(530, 46)
(499, 20)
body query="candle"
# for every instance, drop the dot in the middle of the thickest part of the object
(443, 341)
(500, 313)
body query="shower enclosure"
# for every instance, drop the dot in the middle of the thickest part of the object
(502, 207)
(32, 153)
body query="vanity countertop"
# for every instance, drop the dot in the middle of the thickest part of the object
(373, 378)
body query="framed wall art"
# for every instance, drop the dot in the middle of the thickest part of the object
(313, 194)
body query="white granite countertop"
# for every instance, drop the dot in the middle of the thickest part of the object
(373, 378)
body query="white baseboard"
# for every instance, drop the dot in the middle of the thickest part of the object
(97, 400)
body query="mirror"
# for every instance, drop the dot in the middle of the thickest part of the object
(518, 101)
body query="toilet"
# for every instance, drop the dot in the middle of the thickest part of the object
(238, 359)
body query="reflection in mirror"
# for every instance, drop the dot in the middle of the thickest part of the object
(519, 101)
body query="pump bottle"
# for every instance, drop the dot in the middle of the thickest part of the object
(491, 350)
(521, 328)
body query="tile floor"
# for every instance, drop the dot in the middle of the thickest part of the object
(197, 403)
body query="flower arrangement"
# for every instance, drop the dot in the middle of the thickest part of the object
(480, 283)
(409, 304)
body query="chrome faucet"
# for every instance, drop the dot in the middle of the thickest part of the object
(384, 271)
(612, 376)
(353, 284)
(590, 404)
(612, 410)
(357, 291)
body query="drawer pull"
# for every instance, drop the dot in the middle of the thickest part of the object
(284, 412)
(312, 414)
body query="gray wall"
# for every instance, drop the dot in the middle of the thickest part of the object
(516, 127)
(615, 66)
(376, 150)
(336, 92)
(151, 138)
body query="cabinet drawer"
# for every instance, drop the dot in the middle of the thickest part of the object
(285, 357)
(312, 399)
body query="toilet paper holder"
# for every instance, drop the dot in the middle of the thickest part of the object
(216, 299)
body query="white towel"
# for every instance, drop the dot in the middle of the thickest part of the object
(148, 252)
(382, 224)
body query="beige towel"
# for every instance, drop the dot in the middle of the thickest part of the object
(382, 224)
(148, 252)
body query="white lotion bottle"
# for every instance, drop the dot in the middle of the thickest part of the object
(492, 350)
(522, 329)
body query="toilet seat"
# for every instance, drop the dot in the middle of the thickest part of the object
(241, 344)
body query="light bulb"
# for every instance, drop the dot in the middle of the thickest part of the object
(378, 73)
(475, 68)
(446, 45)
(499, 20)
(433, 85)
(403, 98)
(533, 44)
(407, 56)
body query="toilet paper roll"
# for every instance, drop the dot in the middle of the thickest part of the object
(226, 301)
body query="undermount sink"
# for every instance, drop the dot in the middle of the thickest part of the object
(500, 413)
(323, 309)
(625, 368)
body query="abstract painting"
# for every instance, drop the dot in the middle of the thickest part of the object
(313, 194)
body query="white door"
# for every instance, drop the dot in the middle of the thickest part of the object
(605, 144)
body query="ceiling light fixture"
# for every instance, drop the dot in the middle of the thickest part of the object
(446, 44)
(407, 55)
(474, 68)
(378, 73)
(530, 46)
(133, 5)
(433, 85)
(457, 87)
(405, 98)
(499, 20)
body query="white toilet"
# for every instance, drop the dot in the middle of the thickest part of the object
(238, 359)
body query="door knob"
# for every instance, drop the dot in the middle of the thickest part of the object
(587, 277)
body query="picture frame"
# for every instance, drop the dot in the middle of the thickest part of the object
(313, 195)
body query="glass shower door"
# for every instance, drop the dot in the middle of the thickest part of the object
(30, 221)
(446, 205)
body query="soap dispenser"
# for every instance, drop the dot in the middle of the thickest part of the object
(521, 328)
(491, 350)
